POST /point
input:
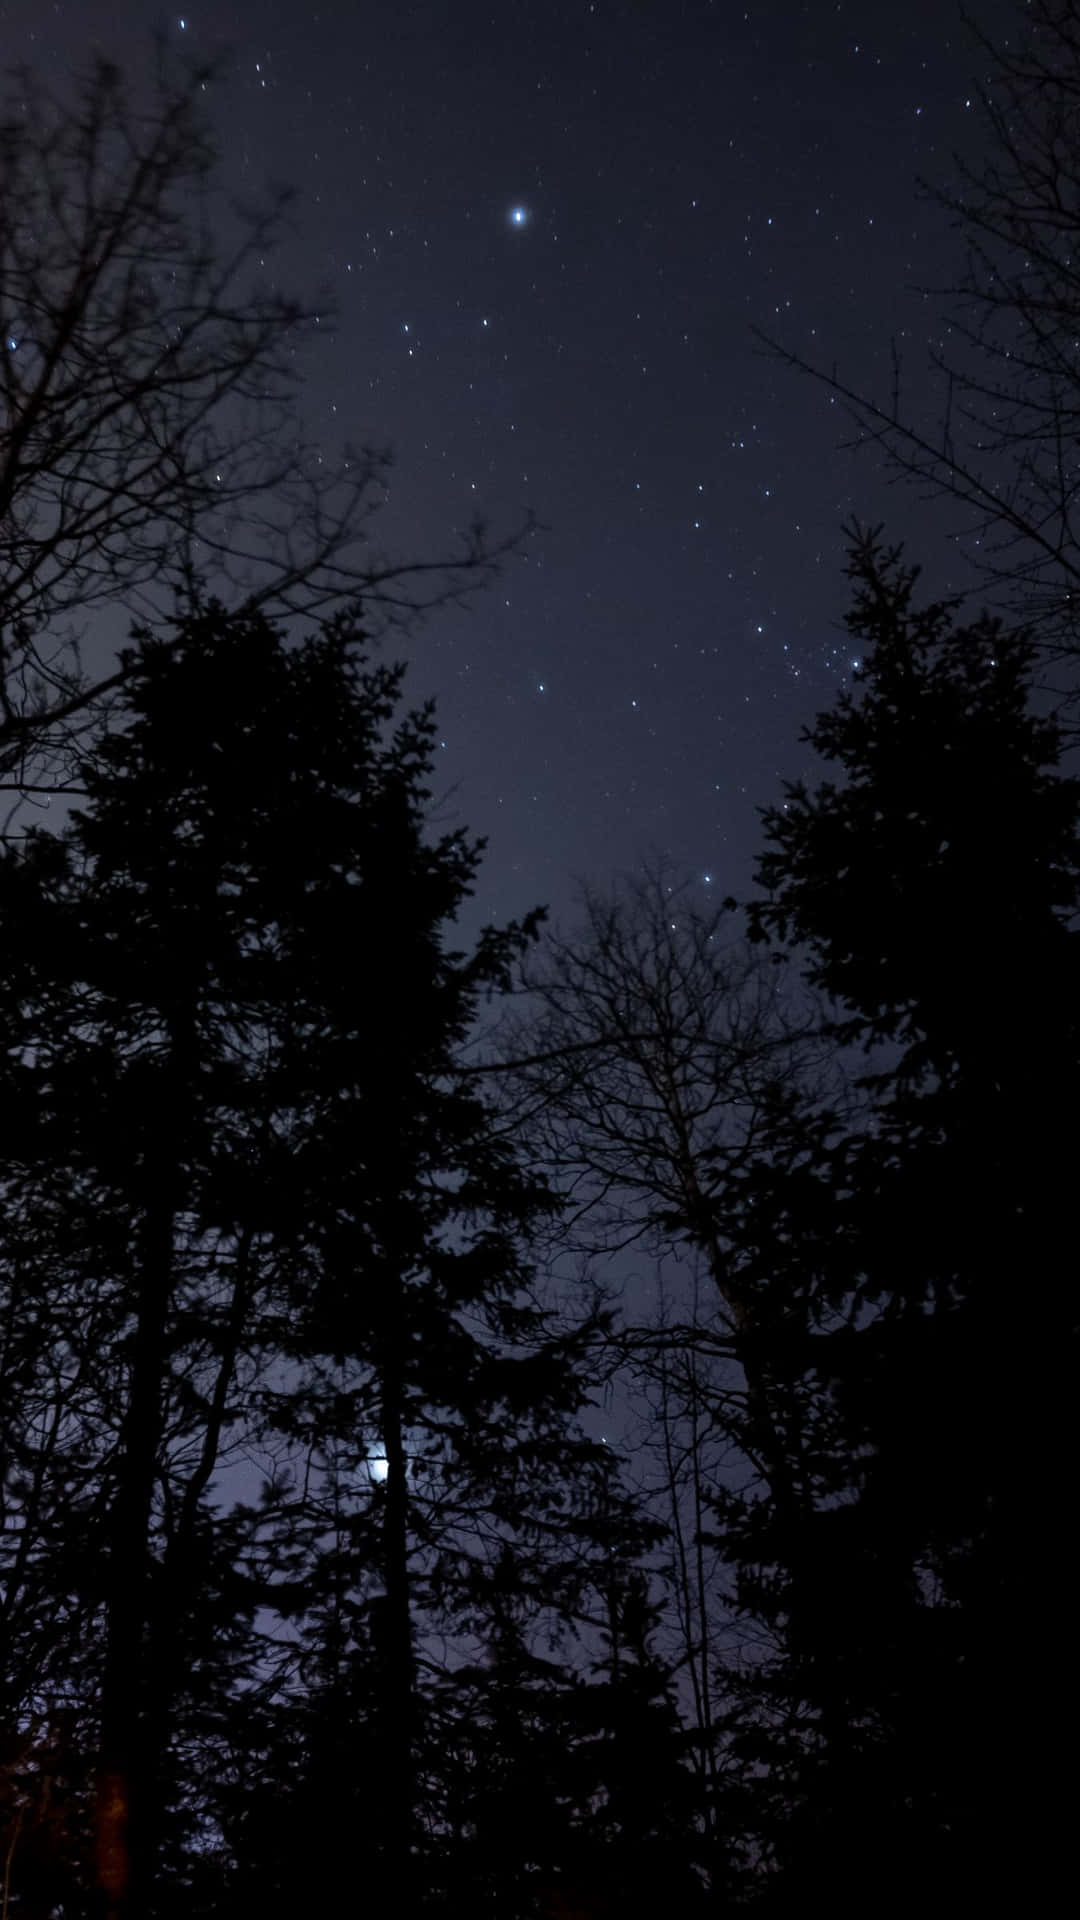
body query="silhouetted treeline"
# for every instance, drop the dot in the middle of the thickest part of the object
(304, 1537)
(314, 1578)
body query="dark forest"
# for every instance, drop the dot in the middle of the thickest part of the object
(571, 1418)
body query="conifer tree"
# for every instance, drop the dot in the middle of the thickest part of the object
(921, 1254)
(237, 1013)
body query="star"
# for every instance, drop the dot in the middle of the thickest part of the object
(519, 216)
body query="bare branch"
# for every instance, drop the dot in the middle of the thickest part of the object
(152, 446)
(1006, 444)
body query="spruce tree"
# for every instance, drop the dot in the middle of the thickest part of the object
(236, 1030)
(909, 1268)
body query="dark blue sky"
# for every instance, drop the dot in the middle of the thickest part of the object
(685, 171)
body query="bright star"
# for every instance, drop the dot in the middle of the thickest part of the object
(519, 216)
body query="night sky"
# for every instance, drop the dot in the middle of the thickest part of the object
(549, 230)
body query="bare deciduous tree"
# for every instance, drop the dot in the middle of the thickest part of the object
(661, 1056)
(151, 440)
(656, 1036)
(1005, 446)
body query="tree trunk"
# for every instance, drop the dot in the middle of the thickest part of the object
(120, 1870)
(123, 1817)
(398, 1704)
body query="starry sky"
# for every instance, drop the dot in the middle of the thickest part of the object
(549, 228)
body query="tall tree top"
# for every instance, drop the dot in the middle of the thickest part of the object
(940, 869)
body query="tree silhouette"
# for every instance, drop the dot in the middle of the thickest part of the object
(151, 434)
(656, 1049)
(932, 889)
(1004, 447)
(249, 1167)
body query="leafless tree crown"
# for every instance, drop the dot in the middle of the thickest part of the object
(1005, 447)
(151, 439)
